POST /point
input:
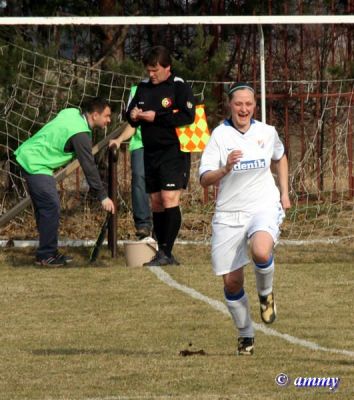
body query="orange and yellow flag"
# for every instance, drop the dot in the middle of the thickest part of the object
(194, 137)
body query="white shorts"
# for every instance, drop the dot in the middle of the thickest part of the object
(231, 231)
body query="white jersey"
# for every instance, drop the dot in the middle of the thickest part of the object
(249, 187)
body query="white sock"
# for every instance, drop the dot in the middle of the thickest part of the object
(264, 277)
(240, 312)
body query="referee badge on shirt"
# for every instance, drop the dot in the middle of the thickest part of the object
(166, 102)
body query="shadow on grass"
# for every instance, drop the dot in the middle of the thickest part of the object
(123, 352)
(83, 351)
(18, 264)
(25, 258)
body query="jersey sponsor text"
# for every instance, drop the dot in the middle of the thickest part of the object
(250, 164)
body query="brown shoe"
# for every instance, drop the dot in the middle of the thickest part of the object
(142, 233)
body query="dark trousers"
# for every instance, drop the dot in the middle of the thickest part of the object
(46, 203)
(140, 199)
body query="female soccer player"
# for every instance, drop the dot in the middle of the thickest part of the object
(249, 207)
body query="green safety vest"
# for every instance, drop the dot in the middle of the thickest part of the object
(44, 152)
(135, 142)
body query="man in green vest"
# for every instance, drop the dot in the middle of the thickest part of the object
(67, 136)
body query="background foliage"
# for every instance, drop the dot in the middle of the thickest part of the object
(207, 53)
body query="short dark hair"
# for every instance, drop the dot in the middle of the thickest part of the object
(239, 86)
(93, 104)
(157, 55)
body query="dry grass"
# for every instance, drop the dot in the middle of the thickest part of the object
(111, 332)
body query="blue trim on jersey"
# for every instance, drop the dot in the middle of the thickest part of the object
(267, 264)
(201, 176)
(228, 122)
(234, 296)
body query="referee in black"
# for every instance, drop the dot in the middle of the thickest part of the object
(161, 103)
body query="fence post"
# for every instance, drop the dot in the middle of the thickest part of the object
(350, 154)
(112, 194)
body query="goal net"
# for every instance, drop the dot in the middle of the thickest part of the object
(317, 131)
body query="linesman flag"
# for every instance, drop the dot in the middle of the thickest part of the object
(194, 137)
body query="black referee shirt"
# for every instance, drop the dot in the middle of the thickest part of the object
(174, 105)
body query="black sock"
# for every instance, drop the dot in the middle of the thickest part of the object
(173, 221)
(158, 219)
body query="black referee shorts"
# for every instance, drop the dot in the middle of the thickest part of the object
(166, 169)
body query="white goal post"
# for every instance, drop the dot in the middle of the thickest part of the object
(185, 20)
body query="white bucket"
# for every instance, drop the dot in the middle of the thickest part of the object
(139, 252)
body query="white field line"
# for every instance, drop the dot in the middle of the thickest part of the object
(219, 306)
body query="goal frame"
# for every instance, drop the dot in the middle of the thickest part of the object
(185, 20)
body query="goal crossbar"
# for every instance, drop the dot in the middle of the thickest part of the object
(182, 20)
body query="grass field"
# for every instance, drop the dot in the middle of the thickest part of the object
(111, 332)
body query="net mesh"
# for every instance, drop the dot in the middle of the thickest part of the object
(314, 119)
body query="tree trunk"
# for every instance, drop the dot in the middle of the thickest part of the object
(113, 36)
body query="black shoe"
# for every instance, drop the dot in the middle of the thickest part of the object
(173, 261)
(52, 262)
(67, 259)
(245, 346)
(159, 260)
(142, 233)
